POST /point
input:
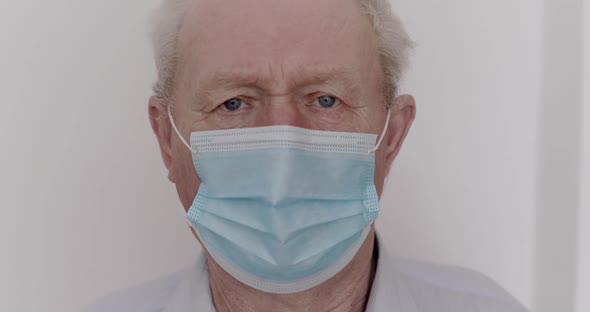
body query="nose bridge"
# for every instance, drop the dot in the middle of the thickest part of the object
(280, 110)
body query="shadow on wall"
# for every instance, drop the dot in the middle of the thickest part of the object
(558, 163)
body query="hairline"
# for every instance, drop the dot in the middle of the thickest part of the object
(167, 45)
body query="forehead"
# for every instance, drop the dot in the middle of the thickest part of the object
(276, 38)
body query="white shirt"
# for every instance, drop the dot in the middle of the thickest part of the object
(399, 286)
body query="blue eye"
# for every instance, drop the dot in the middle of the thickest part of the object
(327, 101)
(232, 104)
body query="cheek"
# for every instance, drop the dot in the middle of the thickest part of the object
(186, 180)
(380, 170)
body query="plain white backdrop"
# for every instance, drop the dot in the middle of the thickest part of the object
(583, 282)
(495, 174)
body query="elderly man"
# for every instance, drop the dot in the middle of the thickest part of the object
(278, 122)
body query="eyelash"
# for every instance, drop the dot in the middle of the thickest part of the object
(316, 105)
(245, 105)
(314, 102)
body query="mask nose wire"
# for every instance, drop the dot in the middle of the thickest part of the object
(382, 133)
(178, 132)
(193, 151)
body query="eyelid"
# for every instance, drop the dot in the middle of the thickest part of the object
(317, 95)
(245, 105)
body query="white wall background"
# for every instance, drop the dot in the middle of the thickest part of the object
(583, 282)
(489, 178)
(464, 186)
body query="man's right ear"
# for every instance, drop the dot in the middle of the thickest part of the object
(158, 114)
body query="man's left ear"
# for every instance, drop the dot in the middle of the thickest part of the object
(403, 112)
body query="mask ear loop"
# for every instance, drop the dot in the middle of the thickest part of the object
(178, 132)
(382, 133)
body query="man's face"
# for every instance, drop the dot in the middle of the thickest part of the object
(305, 63)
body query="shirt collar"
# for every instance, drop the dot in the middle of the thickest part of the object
(386, 292)
(193, 293)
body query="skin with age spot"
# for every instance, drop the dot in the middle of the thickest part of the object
(306, 63)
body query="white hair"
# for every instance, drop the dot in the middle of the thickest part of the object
(394, 44)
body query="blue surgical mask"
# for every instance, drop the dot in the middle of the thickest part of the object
(283, 209)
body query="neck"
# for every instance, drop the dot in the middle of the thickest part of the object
(347, 291)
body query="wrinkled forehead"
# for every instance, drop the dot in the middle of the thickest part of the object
(277, 36)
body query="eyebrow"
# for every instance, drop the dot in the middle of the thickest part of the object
(238, 79)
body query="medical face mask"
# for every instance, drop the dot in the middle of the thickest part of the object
(283, 209)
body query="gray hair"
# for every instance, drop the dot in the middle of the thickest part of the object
(393, 42)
